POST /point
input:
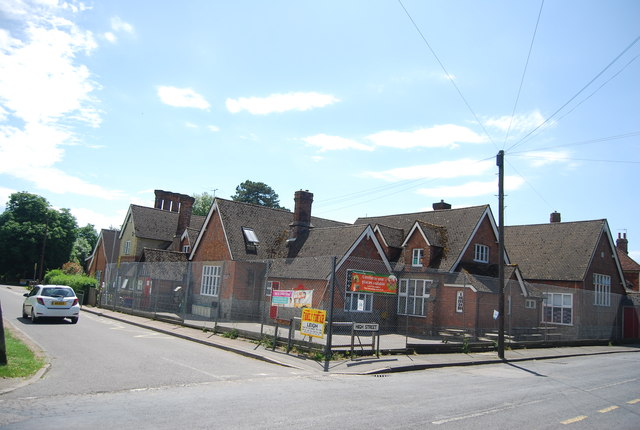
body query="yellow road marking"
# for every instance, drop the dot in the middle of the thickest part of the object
(633, 402)
(609, 409)
(574, 420)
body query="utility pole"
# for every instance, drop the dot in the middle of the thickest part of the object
(500, 164)
(44, 246)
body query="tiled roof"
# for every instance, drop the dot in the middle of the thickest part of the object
(484, 284)
(392, 236)
(157, 224)
(559, 251)
(164, 265)
(628, 264)
(110, 248)
(314, 259)
(271, 227)
(459, 223)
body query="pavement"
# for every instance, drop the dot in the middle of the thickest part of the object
(366, 365)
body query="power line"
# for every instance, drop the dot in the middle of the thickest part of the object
(586, 98)
(577, 94)
(524, 72)
(584, 142)
(447, 74)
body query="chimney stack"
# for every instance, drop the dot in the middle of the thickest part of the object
(184, 216)
(441, 205)
(555, 217)
(622, 243)
(301, 215)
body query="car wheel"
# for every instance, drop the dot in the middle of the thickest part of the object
(24, 314)
(34, 318)
(74, 320)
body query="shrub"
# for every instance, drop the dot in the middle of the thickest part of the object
(72, 268)
(79, 283)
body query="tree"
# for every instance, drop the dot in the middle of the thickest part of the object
(86, 239)
(33, 236)
(202, 204)
(257, 193)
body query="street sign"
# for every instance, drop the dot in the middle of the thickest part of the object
(366, 327)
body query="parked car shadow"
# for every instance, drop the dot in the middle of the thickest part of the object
(45, 321)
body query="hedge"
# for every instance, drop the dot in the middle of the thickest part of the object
(79, 283)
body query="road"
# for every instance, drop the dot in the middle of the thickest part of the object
(106, 374)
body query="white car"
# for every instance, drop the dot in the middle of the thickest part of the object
(55, 301)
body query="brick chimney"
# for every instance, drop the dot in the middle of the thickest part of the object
(441, 205)
(555, 217)
(622, 243)
(301, 224)
(167, 201)
(184, 216)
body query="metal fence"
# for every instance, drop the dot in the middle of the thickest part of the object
(375, 307)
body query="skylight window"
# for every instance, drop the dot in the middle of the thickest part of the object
(250, 236)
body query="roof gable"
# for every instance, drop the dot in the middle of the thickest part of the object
(460, 225)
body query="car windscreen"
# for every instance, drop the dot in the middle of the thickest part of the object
(57, 292)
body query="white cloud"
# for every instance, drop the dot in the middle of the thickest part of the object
(45, 94)
(4, 196)
(542, 158)
(333, 143)
(441, 170)
(280, 103)
(110, 37)
(213, 128)
(519, 123)
(99, 220)
(118, 26)
(472, 189)
(439, 136)
(190, 125)
(182, 97)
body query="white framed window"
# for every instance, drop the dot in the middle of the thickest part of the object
(412, 296)
(481, 253)
(210, 280)
(602, 286)
(186, 248)
(271, 285)
(358, 302)
(417, 256)
(127, 247)
(460, 301)
(530, 304)
(558, 308)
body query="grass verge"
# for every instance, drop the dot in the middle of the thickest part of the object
(21, 361)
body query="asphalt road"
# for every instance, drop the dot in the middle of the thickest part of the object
(106, 374)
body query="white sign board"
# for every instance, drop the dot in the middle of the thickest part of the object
(366, 327)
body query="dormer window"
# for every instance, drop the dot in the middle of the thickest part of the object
(481, 253)
(416, 259)
(251, 240)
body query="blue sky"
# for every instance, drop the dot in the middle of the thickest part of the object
(377, 107)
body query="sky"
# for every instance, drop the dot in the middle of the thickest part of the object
(378, 107)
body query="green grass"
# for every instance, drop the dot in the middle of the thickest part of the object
(21, 361)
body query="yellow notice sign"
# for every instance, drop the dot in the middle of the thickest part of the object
(313, 322)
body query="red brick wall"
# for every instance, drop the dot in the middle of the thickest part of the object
(484, 236)
(213, 244)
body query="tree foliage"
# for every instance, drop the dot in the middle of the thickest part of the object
(257, 193)
(28, 226)
(202, 204)
(86, 239)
